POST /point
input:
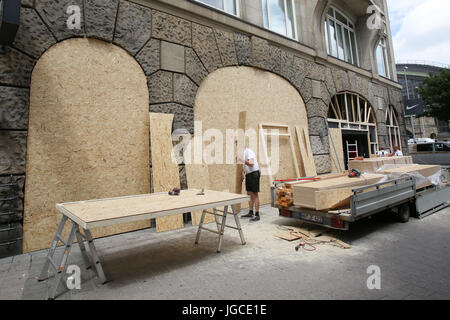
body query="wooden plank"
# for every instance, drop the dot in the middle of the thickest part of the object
(240, 153)
(333, 241)
(294, 155)
(304, 144)
(164, 171)
(197, 176)
(88, 134)
(289, 236)
(336, 150)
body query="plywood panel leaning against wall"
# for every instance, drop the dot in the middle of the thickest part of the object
(336, 150)
(164, 170)
(198, 178)
(88, 134)
(304, 144)
(266, 98)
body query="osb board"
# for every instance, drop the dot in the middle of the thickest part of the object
(266, 97)
(308, 165)
(131, 207)
(336, 150)
(331, 193)
(240, 149)
(366, 165)
(373, 164)
(164, 170)
(339, 181)
(88, 134)
(198, 177)
(424, 170)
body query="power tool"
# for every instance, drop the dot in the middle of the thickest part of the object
(355, 173)
(174, 192)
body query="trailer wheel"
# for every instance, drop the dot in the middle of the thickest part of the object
(404, 213)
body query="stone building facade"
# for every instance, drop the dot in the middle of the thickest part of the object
(178, 43)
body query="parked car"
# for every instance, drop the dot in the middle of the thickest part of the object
(432, 153)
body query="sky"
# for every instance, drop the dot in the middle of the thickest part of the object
(421, 29)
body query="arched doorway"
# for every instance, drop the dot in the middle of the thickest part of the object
(354, 118)
(266, 98)
(88, 133)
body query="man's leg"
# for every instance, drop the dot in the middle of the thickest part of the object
(250, 205)
(256, 200)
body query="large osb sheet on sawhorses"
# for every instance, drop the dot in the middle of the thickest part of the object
(304, 145)
(88, 134)
(165, 175)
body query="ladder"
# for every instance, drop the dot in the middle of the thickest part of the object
(352, 150)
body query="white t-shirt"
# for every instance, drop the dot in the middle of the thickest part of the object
(398, 153)
(249, 154)
(382, 153)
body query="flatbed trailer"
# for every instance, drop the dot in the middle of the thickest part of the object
(399, 196)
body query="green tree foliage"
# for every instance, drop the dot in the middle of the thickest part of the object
(435, 92)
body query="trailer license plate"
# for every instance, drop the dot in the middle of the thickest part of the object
(312, 218)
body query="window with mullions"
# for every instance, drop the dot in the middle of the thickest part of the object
(393, 128)
(279, 16)
(382, 59)
(350, 111)
(229, 6)
(340, 37)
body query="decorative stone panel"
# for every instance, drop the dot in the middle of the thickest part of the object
(205, 45)
(100, 17)
(56, 15)
(133, 27)
(14, 104)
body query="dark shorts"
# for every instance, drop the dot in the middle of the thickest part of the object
(252, 181)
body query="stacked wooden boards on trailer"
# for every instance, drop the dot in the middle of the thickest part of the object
(330, 193)
(374, 164)
(334, 191)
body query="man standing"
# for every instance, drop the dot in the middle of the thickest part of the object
(382, 152)
(397, 152)
(252, 176)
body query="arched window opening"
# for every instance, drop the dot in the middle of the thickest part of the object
(393, 128)
(354, 116)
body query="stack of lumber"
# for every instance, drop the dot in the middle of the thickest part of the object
(423, 173)
(285, 196)
(330, 193)
(373, 164)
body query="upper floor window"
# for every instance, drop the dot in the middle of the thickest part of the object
(382, 59)
(229, 6)
(340, 37)
(279, 16)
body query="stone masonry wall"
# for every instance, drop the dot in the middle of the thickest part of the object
(176, 55)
